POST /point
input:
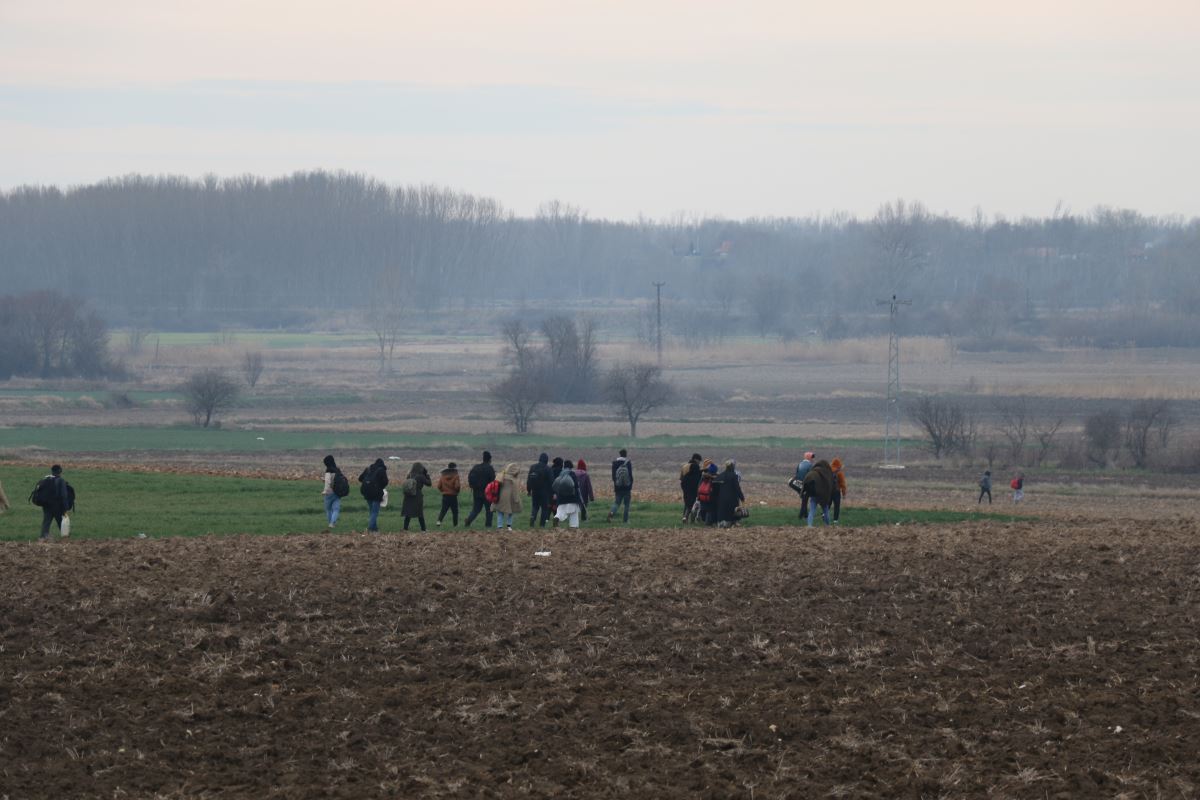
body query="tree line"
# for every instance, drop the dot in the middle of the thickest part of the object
(170, 252)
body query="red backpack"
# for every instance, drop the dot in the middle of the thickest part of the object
(704, 495)
(491, 492)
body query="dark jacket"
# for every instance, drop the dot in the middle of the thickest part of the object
(820, 482)
(690, 481)
(377, 473)
(586, 495)
(414, 504)
(730, 495)
(537, 483)
(480, 476)
(622, 460)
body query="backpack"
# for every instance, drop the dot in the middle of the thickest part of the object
(410, 487)
(704, 495)
(622, 478)
(491, 492)
(1016, 484)
(564, 487)
(44, 494)
(340, 484)
(369, 489)
(683, 471)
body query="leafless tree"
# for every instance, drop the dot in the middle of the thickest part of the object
(1102, 435)
(767, 298)
(519, 396)
(385, 318)
(946, 423)
(1014, 426)
(519, 350)
(991, 451)
(899, 230)
(1145, 418)
(570, 358)
(207, 393)
(252, 367)
(1044, 432)
(636, 390)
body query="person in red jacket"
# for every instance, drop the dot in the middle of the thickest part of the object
(839, 491)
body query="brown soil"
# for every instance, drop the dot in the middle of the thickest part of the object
(1035, 659)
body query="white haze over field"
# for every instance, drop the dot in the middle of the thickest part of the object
(623, 108)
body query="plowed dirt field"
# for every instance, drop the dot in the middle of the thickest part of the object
(1039, 659)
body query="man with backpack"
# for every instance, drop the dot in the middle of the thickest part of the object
(478, 479)
(55, 497)
(567, 493)
(372, 482)
(622, 478)
(336, 487)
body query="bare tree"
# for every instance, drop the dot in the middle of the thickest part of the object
(570, 358)
(385, 318)
(947, 424)
(518, 345)
(1146, 417)
(1102, 434)
(252, 367)
(899, 230)
(207, 393)
(1045, 431)
(767, 298)
(518, 396)
(636, 390)
(1014, 426)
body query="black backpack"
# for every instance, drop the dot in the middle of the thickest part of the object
(369, 488)
(564, 487)
(45, 493)
(341, 485)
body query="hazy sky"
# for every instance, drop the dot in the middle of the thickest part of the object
(652, 107)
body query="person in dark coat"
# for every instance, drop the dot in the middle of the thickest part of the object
(57, 502)
(478, 478)
(622, 478)
(373, 481)
(689, 484)
(586, 493)
(819, 485)
(538, 487)
(730, 495)
(414, 499)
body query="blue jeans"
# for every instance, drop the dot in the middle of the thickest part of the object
(503, 519)
(373, 515)
(333, 508)
(812, 512)
(621, 496)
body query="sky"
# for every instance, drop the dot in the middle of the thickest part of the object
(653, 108)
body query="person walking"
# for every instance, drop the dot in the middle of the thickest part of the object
(538, 486)
(372, 482)
(622, 478)
(1018, 487)
(334, 488)
(56, 498)
(508, 504)
(797, 481)
(586, 494)
(413, 490)
(689, 484)
(839, 489)
(566, 493)
(449, 485)
(985, 487)
(478, 478)
(819, 485)
(708, 493)
(730, 495)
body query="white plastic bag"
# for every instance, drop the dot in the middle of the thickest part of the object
(65, 529)
(383, 502)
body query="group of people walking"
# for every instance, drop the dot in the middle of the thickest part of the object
(560, 491)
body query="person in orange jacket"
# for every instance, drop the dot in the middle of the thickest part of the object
(836, 466)
(449, 485)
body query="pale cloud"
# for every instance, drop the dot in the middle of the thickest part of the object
(623, 107)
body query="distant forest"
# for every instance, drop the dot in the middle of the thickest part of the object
(171, 252)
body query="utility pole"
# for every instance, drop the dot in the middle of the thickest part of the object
(658, 302)
(891, 435)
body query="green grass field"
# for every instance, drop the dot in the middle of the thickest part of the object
(110, 439)
(124, 504)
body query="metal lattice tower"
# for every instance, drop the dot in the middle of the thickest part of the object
(658, 323)
(891, 435)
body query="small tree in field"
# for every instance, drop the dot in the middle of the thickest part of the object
(252, 368)
(1102, 433)
(519, 396)
(207, 393)
(946, 424)
(637, 389)
(1145, 418)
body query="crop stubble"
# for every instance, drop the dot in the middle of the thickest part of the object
(1024, 659)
